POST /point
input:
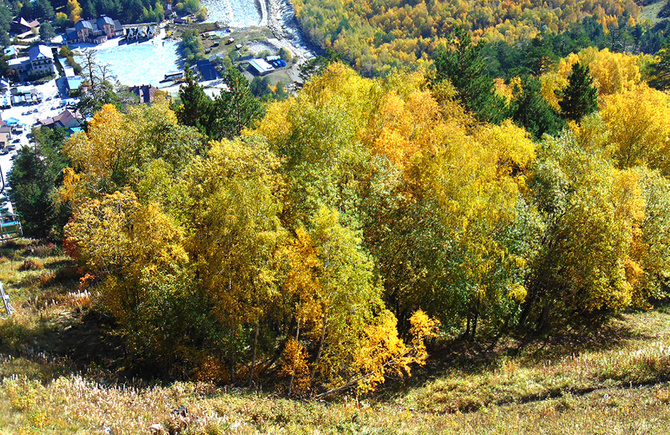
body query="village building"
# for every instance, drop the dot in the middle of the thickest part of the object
(21, 26)
(145, 92)
(207, 71)
(260, 67)
(41, 60)
(20, 64)
(11, 51)
(66, 119)
(5, 134)
(94, 31)
(4, 140)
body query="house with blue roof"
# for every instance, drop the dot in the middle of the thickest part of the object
(72, 83)
(207, 71)
(41, 60)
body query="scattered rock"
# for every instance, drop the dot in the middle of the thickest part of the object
(157, 429)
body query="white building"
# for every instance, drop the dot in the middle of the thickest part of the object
(41, 60)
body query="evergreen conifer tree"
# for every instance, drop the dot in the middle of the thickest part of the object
(196, 108)
(236, 108)
(465, 68)
(660, 71)
(580, 97)
(530, 111)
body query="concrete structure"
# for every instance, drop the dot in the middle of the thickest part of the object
(20, 64)
(73, 82)
(41, 60)
(260, 67)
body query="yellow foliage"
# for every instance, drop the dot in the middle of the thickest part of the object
(383, 353)
(518, 293)
(97, 154)
(612, 72)
(513, 145)
(294, 365)
(638, 122)
(74, 10)
(119, 237)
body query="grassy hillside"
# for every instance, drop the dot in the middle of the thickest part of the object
(63, 371)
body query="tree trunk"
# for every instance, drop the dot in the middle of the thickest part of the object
(318, 353)
(474, 325)
(253, 356)
(297, 337)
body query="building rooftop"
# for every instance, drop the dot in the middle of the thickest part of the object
(105, 20)
(207, 70)
(39, 51)
(261, 66)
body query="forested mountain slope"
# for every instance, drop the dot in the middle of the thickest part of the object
(376, 36)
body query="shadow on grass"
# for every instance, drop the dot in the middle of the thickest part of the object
(72, 342)
(488, 353)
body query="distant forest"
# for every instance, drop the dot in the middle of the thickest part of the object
(376, 37)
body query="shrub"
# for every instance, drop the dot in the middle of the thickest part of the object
(31, 264)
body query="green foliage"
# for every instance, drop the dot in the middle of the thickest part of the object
(660, 70)
(196, 108)
(226, 115)
(286, 55)
(191, 46)
(235, 108)
(201, 15)
(580, 97)
(35, 179)
(93, 100)
(44, 11)
(192, 6)
(588, 259)
(6, 17)
(530, 111)
(47, 32)
(465, 68)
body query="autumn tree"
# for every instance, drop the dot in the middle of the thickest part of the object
(236, 232)
(638, 125)
(74, 10)
(594, 213)
(136, 251)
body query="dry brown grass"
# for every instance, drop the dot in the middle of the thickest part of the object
(59, 374)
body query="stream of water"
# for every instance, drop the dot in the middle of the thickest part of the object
(235, 13)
